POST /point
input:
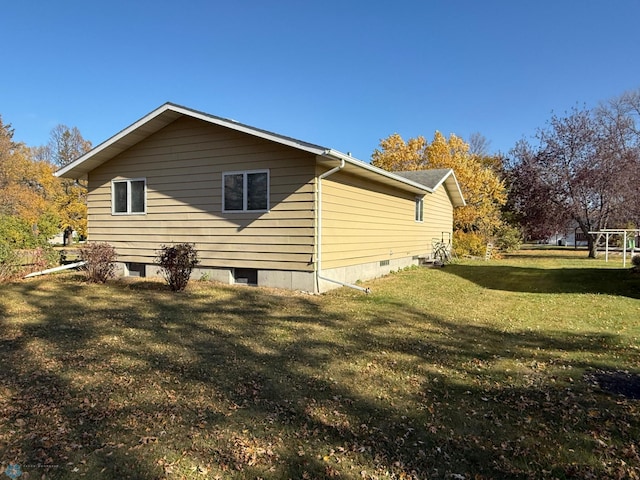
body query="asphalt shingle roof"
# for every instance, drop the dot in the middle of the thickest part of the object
(428, 178)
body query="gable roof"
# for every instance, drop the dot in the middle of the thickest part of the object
(169, 112)
(434, 178)
(430, 178)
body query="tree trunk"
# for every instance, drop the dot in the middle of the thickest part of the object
(592, 246)
(592, 240)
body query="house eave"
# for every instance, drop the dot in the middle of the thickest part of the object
(436, 178)
(370, 172)
(138, 131)
(453, 187)
(155, 121)
(169, 112)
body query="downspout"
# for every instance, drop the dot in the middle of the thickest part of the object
(319, 234)
(56, 269)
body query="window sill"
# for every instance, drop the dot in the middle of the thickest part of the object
(245, 211)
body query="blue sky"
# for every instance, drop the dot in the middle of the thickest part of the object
(342, 74)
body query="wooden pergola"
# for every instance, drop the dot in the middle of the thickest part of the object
(628, 241)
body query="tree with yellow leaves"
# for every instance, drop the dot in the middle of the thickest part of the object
(65, 145)
(485, 194)
(31, 197)
(396, 155)
(28, 191)
(483, 191)
(72, 206)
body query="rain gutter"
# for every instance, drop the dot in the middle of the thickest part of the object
(319, 228)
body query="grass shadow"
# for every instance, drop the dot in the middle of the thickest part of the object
(616, 382)
(512, 278)
(140, 382)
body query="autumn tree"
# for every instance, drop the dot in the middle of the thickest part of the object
(28, 191)
(479, 145)
(529, 202)
(584, 168)
(481, 186)
(32, 199)
(626, 107)
(397, 155)
(65, 145)
(7, 147)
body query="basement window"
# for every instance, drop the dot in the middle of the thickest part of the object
(135, 269)
(246, 276)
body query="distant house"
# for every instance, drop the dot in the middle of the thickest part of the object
(571, 236)
(261, 208)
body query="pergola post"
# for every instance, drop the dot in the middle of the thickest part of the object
(625, 235)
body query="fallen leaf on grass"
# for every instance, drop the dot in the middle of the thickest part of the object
(144, 441)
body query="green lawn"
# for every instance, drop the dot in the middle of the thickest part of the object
(525, 367)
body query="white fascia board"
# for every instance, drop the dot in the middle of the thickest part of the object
(458, 190)
(111, 141)
(139, 125)
(452, 183)
(256, 132)
(378, 171)
(443, 179)
(233, 125)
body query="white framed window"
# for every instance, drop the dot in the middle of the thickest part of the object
(246, 191)
(129, 197)
(419, 214)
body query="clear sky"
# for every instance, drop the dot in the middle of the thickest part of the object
(339, 73)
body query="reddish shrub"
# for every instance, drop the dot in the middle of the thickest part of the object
(100, 258)
(176, 264)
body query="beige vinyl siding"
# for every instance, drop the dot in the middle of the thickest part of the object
(183, 165)
(365, 222)
(438, 215)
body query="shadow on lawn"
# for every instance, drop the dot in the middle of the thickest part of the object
(553, 280)
(250, 384)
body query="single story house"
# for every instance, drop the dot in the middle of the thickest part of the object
(261, 208)
(572, 237)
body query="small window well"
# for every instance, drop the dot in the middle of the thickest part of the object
(135, 269)
(246, 276)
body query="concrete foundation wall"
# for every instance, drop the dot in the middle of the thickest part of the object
(291, 280)
(363, 272)
(222, 275)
